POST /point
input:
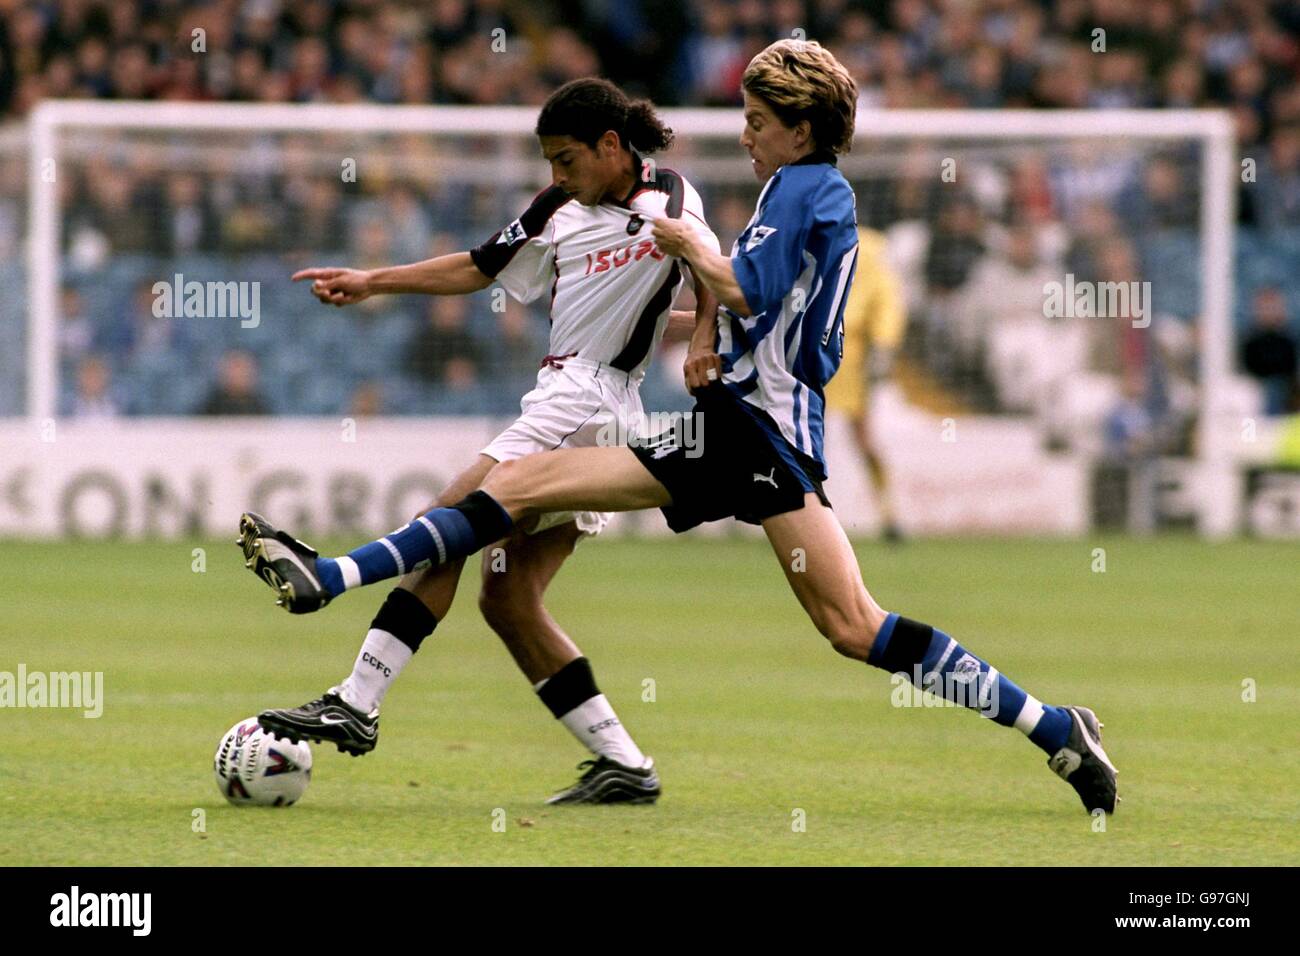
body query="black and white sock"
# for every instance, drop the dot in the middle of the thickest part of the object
(395, 634)
(572, 696)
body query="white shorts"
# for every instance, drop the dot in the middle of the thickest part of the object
(581, 405)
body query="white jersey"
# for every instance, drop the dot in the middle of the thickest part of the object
(611, 288)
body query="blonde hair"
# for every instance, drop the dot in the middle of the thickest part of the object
(802, 80)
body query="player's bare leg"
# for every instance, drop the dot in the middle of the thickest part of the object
(823, 572)
(515, 579)
(575, 479)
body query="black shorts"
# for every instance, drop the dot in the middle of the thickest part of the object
(724, 465)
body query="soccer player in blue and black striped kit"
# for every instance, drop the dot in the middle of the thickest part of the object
(758, 372)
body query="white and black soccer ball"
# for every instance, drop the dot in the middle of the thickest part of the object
(254, 768)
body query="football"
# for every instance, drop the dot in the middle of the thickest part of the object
(255, 769)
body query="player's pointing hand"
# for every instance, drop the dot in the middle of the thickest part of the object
(337, 286)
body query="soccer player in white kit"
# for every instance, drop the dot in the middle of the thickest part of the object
(585, 242)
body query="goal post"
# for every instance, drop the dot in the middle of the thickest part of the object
(64, 135)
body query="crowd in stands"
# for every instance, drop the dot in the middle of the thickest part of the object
(904, 53)
(976, 258)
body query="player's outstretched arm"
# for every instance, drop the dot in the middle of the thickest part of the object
(453, 274)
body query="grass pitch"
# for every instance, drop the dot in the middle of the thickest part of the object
(753, 717)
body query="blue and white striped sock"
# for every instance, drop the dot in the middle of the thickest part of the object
(439, 536)
(935, 662)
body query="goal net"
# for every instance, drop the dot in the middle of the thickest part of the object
(1059, 357)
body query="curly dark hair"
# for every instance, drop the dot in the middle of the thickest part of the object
(586, 108)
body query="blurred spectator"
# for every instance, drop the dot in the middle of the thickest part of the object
(1119, 347)
(1086, 173)
(980, 84)
(443, 352)
(956, 245)
(367, 400)
(111, 211)
(77, 335)
(517, 349)
(635, 39)
(1004, 287)
(1278, 185)
(93, 399)
(1166, 200)
(460, 373)
(188, 223)
(236, 391)
(315, 214)
(1028, 191)
(1095, 229)
(1269, 353)
(405, 224)
(134, 329)
(373, 242)
(728, 216)
(714, 56)
(566, 58)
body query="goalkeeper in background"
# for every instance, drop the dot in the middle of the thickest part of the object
(875, 318)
